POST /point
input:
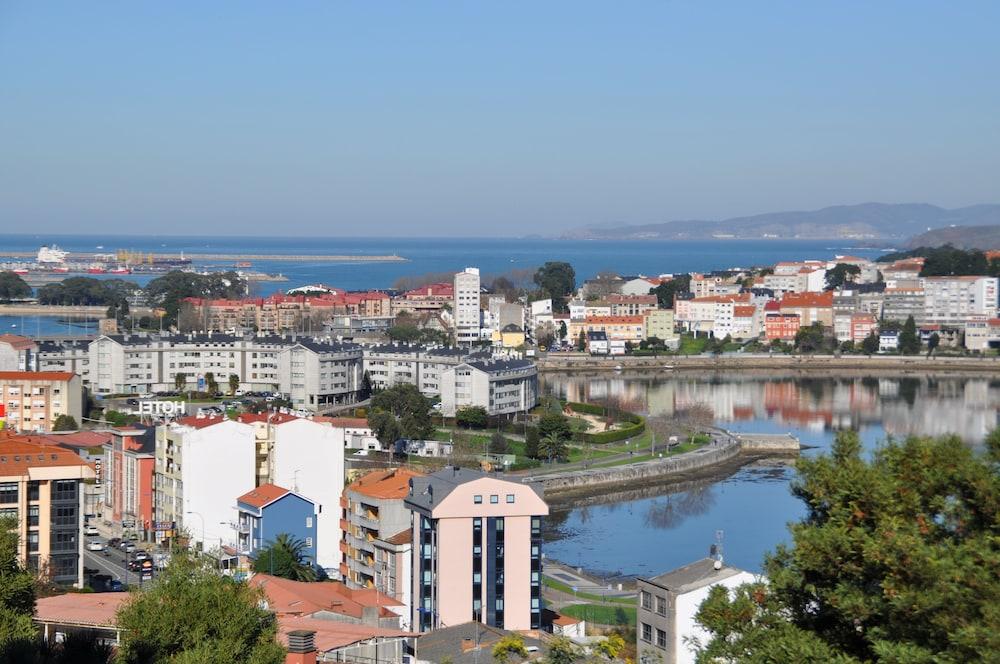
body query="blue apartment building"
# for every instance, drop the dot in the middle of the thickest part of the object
(270, 510)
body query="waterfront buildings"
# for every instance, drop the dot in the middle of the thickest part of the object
(810, 307)
(950, 300)
(278, 314)
(18, 353)
(377, 543)
(33, 400)
(41, 487)
(269, 510)
(667, 606)
(781, 327)
(477, 550)
(395, 364)
(501, 387)
(465, 306)
(659, 323)
(982, 334)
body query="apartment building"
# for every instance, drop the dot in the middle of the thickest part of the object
(396, 364)
(630, 305)
(129, 472)
(712, 314)
(624, 328)
(707, 285)
(465, 306)
(33, 400)
(953, 300)
(899, 303)
(781, 326)
(269, 510)
(746, 322)
(41, 488)
(667, 606)
(477, 550)
(277, 314)
(66, 355)
(378, 538)
(431, 299)
(317, 373)
(502, 387)
(659, 323)
(982, 333)
(18, 353)
(810, 307)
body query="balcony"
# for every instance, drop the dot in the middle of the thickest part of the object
(346, 527)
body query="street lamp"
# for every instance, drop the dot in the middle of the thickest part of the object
(200, 516)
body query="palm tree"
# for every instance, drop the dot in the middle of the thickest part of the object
(552, 447)
(285, 556)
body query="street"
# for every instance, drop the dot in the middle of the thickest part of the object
(112, 564)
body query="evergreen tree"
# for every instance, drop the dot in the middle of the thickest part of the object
(531, 443)
(869, 345)
(234, 384)
(895, 560)
(909, 341)
(498, 443)
(17, 595)
(65, 423)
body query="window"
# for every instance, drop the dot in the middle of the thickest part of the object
(494, 499)
(661, 605)
(478, 500)
(510, 498)
(647, 600)
(309, 522)
(8, 492)
(661, 638)
(647, 633)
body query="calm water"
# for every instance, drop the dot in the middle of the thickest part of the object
(493, 256)
(656, 529)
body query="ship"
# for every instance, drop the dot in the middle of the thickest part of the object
(120, 270)
(51, 254)
(96, 268)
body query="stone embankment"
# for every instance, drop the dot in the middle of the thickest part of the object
(727, 452)
(63, 310)
(664, 364)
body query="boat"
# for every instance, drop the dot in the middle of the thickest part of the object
(96, 269)
(20, 270)
(60, 269)
(668, 367)
(121, 270)
(53, 254)
(244, 264)
(618, 367)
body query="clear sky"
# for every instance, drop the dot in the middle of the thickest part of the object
(486, 118)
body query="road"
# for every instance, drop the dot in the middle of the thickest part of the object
(112, 564)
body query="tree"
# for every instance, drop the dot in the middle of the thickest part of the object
(385, 427)
(509, 644)
(366, 384)
(909, 341)
(211, 386)
(667, 290)
(812, 339)
(404, 333)
(562, 651)
(869, 344)
(191, 613)
(65, 423)
(473, 417)
(840, 274)
(180, 380)
(554, 424)
(409, 406)
(553, 448)
(531, 443)
(499, 444)
(611, 646)
(563, 332)
(169, 291)
(932, 343)
(13, 287)
(894, 561)
(286, 557)
(234, 384)
(581, 341)
(558, 280)
(17, 592)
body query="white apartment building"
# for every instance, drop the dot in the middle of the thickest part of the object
(202, 466)
(500, 386)
(465, 307)
(955, 300)
(396, 364)
(316, 374)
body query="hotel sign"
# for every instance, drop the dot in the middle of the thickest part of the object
(162, 408)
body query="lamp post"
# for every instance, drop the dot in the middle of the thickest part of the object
(200, 516)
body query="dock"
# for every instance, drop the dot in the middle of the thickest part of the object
(767, 442)
(323, 258)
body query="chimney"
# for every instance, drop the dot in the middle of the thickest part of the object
(301, 647)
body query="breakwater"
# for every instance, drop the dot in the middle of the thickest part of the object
(322, 258)
(726, 454)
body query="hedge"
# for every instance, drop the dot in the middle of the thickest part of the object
(637, 425)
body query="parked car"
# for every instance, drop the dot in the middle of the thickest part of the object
(96, 545)
(91, 530)
(141, 555)
(132, 402)
(127, 547)
(117, 586)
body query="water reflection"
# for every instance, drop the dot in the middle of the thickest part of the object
(651, 529)
(901, 405)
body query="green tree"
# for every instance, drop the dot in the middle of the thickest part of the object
(667, 290)
(554, 424)
(611, 646)
(13, 287)
(531, 443)
(499, 444)
(180, 381)
(384, 426)
(909, 341)
(287, 557)
(65, 423)
(558, 280)
(581, 341)
(191, 613)
(211, 386)
(932, 343)
(17, 594)
(563, 331)
(409, 406)
(404, 333)
(562, 651)
(840, 274)
(812, 339)
(894, 561)
(366, 384)
(553, 448)
(869, 345)
(234, 384)
(509, 644)
(170, 290)
(473, 417)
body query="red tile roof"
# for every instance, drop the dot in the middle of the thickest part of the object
(16, 341)
(263, 495)
(402, 537)
(389, 484)
(331, 634)
(744, 311)
(794, 300)
(92, 609)
(199, 422)
(19, 453)
(80, 439)
(36, 375)
(615, 320)
(273, 418)
(301, 598)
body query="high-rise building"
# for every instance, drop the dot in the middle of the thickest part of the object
(466, 305)
(40, 486)
(477, 543)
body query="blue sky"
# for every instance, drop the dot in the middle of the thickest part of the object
(486, 118)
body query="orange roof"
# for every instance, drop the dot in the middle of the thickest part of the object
(95, 609)
(17, 341)
(19, 453)
(389, 484)
(630, 299)
(199, 422)
(343, 422)
(36, 375)
(744, 310)
(263, 495)
(824, 299)
(273, 418)
(616, 320)
(80, 438)
(331, 634)
(402, 537)
(738, 297)
(302, 598)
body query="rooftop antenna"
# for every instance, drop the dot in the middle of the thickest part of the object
(715, 551)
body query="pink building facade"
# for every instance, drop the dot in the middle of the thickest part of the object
(476, 550)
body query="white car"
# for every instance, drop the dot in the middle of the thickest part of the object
(91, 530)
(96, 545)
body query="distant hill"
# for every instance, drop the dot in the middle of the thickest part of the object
(963, 237)
(868, 221)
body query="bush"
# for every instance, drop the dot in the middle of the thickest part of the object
(636, 425)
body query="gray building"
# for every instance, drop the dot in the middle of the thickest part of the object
(397, 364)
(502, 387)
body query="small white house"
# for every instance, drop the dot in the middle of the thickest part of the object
(888, 341)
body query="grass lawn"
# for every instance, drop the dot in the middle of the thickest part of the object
(692, 345)
(603, 614)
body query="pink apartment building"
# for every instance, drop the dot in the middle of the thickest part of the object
(477, 543)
